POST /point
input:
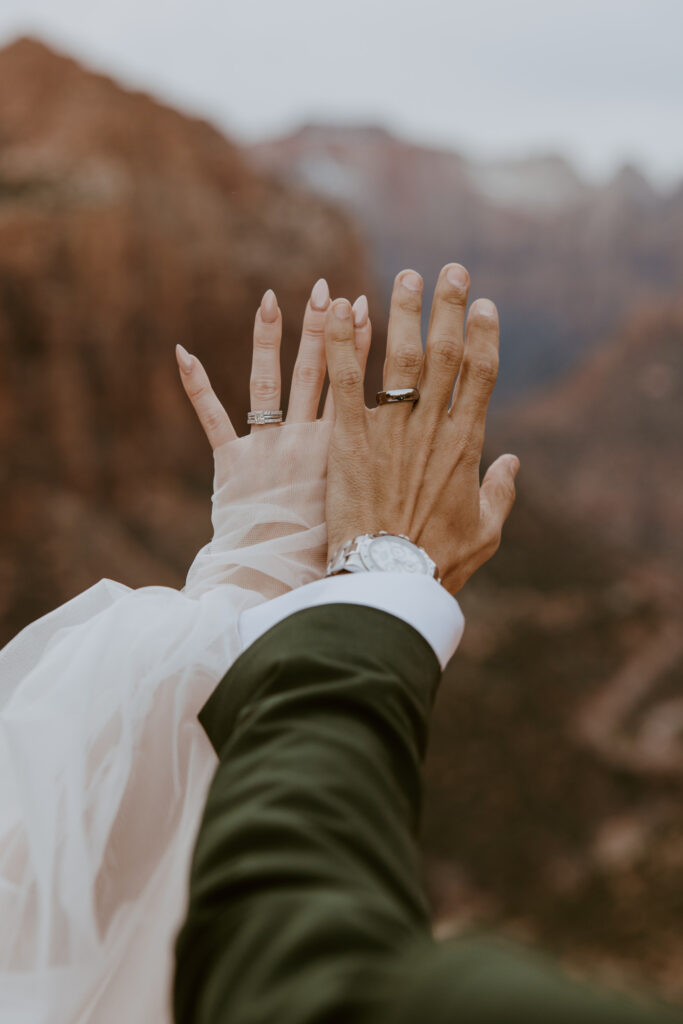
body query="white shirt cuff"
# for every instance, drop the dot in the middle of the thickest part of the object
(416, 599)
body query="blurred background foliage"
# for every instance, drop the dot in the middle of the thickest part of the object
(554, 773)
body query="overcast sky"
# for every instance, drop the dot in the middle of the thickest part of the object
(600, 80)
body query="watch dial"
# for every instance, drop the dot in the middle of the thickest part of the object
(393, 554)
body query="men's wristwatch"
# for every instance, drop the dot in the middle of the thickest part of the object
(382, 552)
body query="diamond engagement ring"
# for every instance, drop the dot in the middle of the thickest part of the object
(261, 416)
(397, 395)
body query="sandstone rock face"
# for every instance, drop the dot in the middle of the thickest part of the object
(125, 228)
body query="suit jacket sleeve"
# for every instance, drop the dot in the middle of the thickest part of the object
(305, 898)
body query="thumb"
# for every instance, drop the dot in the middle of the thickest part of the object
(497, 494)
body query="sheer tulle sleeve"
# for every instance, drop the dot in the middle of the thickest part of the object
(103, 765)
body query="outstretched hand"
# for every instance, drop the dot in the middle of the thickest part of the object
(268, 502)
(265, 383)
(413, 469)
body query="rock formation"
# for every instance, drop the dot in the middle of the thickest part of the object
(126, 227)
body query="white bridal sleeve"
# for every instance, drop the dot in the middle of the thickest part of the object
(103, 766)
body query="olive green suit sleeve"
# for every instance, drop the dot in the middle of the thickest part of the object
(305, 896)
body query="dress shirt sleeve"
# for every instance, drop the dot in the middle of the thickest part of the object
(418, 600)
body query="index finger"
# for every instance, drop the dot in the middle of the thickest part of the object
(363, 333)
(346, 377)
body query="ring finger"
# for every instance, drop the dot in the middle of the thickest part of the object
(403, 362)
(264, 384)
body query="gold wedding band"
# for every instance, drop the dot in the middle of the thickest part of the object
(397, 395)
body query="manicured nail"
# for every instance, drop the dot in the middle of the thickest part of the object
(342, 310)
(360, 310)
(412, 280)
(320, 296)
(269, 307)
(184, 358)
(458, 276)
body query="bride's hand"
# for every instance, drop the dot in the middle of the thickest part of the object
(265, 384)
(268, 503)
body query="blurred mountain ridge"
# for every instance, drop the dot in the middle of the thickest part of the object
(566, 261)
(542, 180)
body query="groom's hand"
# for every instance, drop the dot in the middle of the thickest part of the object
(414, 468)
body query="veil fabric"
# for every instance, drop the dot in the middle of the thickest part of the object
(104, 768)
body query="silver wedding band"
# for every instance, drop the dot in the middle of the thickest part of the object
(258, 417)
(397, 395)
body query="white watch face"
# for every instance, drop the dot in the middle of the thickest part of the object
(393, 554)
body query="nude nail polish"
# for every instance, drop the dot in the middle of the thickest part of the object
(184, 358)
(269, 307)
(360, 311)
(320, 295)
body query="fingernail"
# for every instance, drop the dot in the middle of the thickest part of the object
(342, 310)
(320, 296)
(360, 310)
(184, 358)
(486, 308)
(514, 464)
(269, 307)
(458, 276)
(412, 280)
